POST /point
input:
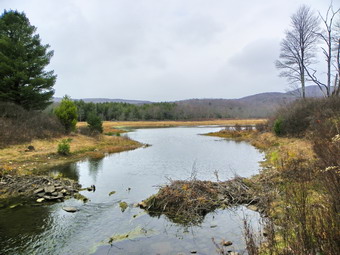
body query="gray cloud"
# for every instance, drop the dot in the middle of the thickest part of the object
(162, 50)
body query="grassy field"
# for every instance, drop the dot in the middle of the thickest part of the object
(114, 126)
(17, 160)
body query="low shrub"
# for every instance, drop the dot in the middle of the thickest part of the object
(277, 127)
(18, 125)
(302, 116)
(64, 147)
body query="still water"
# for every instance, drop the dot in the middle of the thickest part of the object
(175, 153)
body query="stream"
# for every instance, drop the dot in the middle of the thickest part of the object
(101, 227)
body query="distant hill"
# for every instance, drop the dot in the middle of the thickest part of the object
(255, 106)
(311, 91)
(105, 100)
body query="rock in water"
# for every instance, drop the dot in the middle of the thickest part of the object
(112, 192)
(70, 209)
(39, 200)
(226, 243)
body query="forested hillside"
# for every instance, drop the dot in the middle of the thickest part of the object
(256, 106)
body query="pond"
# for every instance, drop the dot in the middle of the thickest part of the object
(101, 227)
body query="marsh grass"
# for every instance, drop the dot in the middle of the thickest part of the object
(115, 126)
(305, 208)
(300, 182)
(16, 159)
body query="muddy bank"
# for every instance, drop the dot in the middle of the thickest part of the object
(39, 188)
(187, 202)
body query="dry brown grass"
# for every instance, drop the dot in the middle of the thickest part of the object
(107, 127)
(292, 148)
(17, 160)
(114, 125)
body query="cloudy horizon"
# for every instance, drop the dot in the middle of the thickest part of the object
(158, 50)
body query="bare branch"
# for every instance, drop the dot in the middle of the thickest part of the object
(298, 47)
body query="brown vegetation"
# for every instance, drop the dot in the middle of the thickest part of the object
(187, 202)
(16, 159)
(108, 128)
(20, 126)
(303, 181)
(141, 124)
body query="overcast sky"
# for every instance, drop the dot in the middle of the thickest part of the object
(163, 50)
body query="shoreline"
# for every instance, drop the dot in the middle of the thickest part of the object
(17, 161)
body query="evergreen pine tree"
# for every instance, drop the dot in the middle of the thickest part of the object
(23, 78)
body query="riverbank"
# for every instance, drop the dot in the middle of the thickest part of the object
(31, 160)
(20, 160)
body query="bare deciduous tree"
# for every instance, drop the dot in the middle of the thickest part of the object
(298, 47)
(336, 63)
(328, 37)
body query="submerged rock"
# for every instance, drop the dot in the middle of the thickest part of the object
(81, 197)
(70, 209)
(123, 206)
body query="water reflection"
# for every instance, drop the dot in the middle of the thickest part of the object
(94, 166)
(67, 171)
(25, 221)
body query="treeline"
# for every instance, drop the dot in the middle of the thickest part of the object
(193, 109)
(155, 111)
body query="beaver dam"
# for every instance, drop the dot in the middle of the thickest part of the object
(187, 202)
